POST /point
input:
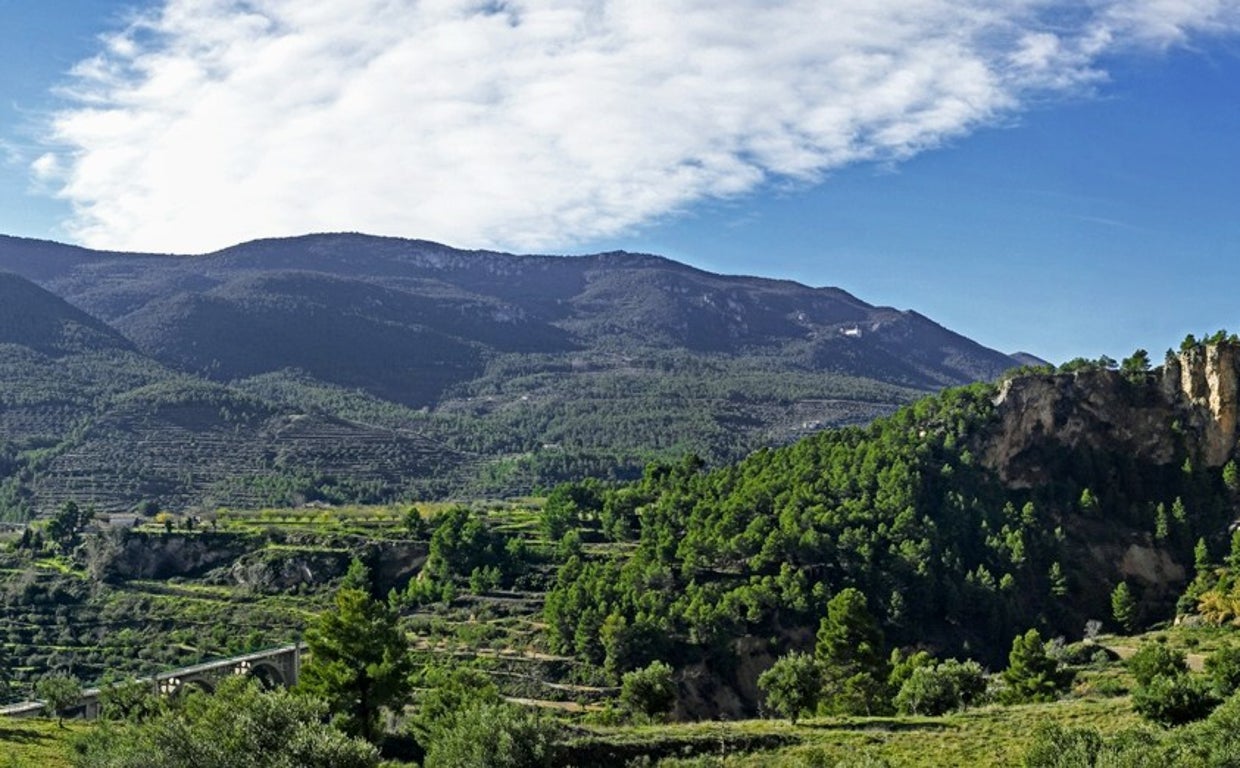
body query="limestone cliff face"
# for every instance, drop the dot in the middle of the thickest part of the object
(1090, 410)
(1208, 388)
(121, 554)
(247, 560)
(1186, 408)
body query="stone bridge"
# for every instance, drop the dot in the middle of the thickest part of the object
(272, 667)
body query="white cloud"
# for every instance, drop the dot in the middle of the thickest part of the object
(536, 123)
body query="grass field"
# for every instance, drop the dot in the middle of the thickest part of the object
(36, 743)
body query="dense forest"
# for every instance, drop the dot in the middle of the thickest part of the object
(902, 510)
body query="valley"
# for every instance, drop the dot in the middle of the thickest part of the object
(616, 510)
(949, 530)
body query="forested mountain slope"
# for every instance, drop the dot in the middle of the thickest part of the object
(964, 519)
(539, 367)
(85, 416)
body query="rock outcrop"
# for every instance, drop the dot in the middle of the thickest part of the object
(1208, 388)
(1186, 409)
(121, 554)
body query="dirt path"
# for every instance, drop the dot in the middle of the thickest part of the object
(1196, 661)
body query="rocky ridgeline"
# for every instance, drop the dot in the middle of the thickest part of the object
(1051, 428)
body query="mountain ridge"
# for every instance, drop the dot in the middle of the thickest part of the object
(547, 366)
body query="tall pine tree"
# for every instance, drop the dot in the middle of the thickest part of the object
(359, 661)
(850, 651)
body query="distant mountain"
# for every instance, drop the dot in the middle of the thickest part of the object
(84, 415)
(1025, 358)
(337, 289)
(541, 366)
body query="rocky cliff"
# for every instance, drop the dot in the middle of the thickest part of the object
(1138, 439)
(1206, 396)
(1185, 409)
(267, 564)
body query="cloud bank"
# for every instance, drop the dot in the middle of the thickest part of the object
(531, 124)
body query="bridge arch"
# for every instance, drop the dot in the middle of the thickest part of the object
(199, 684)
(268, 675)
(272, 667)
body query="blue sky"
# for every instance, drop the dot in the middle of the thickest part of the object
(1038, 178)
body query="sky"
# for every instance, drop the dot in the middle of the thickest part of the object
(1055, 177)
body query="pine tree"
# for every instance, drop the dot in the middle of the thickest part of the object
(1123, 606)
(1059, 582)
(1201, 558)
(359, 661)
(1178, 512)
(1233, 556)
(1231, 477)
(850, 650)
(1032, 675)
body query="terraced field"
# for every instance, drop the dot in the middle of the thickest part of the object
(203, 455)
(131, 603)
(243, 572)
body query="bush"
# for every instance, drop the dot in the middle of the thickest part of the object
(1223, 667)
(1214, 741)
(239, 725)
(453, 691)
(942, 688)
(792, 685)
(650, 691)
(1156, 660)
(1055, 746)
(1175, 700)
(493, 736)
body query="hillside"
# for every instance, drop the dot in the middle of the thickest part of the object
(514, 370)
(33, 318)
(963, 519)
(954, 525)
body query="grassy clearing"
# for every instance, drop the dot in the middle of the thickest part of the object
(36, 743)
(988, 737)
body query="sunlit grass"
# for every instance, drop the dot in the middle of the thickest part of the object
(36, 742)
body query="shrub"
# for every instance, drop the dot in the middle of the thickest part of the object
(493, 736)
(650, 691)
(942, 688)
(1223, 667)
(1156, 660)
(239, 725)
(792, 685)
(1175, 700)
(1055, 746)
